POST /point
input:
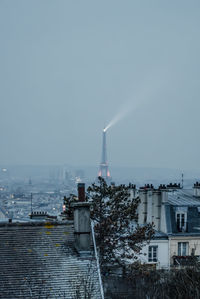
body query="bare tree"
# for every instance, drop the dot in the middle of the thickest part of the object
(163, 284)
(85, 287)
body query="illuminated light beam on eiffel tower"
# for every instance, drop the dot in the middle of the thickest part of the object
(103, 169)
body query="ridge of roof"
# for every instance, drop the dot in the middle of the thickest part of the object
(35, 223)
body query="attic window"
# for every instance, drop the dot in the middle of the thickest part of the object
(198, 208)
(181, 221)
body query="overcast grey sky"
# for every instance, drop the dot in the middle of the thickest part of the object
(67, 67)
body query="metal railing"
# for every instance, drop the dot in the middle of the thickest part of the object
(187, 260)
(97, 260)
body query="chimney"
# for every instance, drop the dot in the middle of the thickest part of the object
(164, 199)
(150, 204)
(82, 228)
(81, 192)
(164, 195)
(142, 208)
(196, 188)
(157, 200)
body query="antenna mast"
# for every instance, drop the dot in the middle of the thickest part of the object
(31, 204)
(182, 180)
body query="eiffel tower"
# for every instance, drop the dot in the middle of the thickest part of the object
(103, 169)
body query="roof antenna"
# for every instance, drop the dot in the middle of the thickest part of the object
(182, 180)
(31, 204)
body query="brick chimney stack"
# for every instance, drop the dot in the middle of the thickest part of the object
(81, 192)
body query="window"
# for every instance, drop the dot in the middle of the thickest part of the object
(153, 254)
(181, 221)
(183, 248)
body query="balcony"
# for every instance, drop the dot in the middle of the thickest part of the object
(187, 260)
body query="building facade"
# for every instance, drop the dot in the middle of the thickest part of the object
(175, 213)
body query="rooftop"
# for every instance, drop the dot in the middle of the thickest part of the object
(183, 197)
(38, 260)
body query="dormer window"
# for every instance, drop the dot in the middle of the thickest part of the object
(181, 221)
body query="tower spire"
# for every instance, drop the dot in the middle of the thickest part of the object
(103, 169)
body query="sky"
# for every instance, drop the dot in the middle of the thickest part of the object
(67, 68)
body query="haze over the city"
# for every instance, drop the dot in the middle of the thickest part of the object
(69, 67)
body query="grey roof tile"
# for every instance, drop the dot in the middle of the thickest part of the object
(39, 261)
(183, 197)
(160, 235)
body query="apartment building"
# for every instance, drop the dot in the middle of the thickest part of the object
(175, 213)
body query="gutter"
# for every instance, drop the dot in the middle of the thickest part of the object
(169, 258)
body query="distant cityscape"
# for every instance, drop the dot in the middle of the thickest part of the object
(21, 194)
(42, 188)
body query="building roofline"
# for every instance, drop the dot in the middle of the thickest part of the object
(35, 223)
(184, 234)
